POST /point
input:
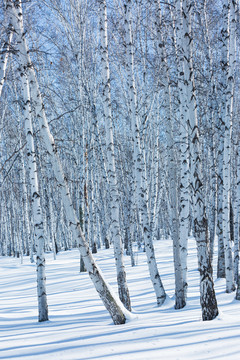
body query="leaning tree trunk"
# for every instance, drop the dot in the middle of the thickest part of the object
(111, 168)
(111, 302)
(207, 294)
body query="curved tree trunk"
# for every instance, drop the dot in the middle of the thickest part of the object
(111, 302)
(111, 168)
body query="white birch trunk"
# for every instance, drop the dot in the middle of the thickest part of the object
(139, 165)
(228, 63)
(4, 58)
(184, 211)
(51, 223)
(212, 113)
(238, 209)
(235, 201)
(36, 206)
(221, 258)
(27, 233)
(179, 255)
(111, 168)
(207, 294)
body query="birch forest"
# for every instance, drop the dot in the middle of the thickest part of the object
(120, 128)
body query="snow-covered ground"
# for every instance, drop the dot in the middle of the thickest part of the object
(81, 329)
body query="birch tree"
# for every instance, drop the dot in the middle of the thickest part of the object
(184, 145)
(111, 168)
(4, 57)
(180, 293)
(36, 205)
(207, 294)
(111, 302)
(212, 108)
(228, 62)
(140, 190)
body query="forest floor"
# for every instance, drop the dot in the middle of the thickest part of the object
(81, 329)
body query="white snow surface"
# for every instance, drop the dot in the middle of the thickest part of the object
(81, 329)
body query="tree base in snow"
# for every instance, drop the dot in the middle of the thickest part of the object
(238, 289)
